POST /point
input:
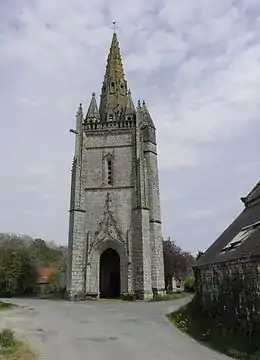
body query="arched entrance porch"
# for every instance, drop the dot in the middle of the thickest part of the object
(109, 274)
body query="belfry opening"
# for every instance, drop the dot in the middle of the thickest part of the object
(109, 281)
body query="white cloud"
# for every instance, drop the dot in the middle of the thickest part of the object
(199, 214)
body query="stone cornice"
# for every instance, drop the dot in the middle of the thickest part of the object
(108, 147)
(109, 131)
(108, 188)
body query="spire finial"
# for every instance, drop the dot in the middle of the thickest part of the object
(80, 110)
(114, 26)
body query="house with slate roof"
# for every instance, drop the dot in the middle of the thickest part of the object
(227, 275)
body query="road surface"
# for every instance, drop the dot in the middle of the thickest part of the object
(97, 330)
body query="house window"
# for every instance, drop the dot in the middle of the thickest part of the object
(109, 172)
(243, 235)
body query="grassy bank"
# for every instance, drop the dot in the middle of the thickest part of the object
(132, 297)
(5, 305)
(169, 297)
(198, 324)
(13, 349)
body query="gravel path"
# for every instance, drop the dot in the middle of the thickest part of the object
(97, 330)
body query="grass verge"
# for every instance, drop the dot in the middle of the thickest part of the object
(169, 297)
(6, 305)
(199, 325)
(13, 349)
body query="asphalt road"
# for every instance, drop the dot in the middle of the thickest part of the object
(98, 330)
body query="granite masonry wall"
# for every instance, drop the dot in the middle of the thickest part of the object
(230, 293)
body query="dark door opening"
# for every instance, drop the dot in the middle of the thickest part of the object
(109, 274)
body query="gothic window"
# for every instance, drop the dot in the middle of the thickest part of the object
(108, 169)
(109, 172)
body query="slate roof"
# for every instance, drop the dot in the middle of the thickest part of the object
(250, 246)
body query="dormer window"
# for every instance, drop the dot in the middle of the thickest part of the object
(242, 236)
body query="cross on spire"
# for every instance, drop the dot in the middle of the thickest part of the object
(114, 26)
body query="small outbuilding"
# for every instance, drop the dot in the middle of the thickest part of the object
(227, 275)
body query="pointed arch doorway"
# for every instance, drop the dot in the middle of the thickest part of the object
(109, 281)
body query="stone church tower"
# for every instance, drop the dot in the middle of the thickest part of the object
(115, 235)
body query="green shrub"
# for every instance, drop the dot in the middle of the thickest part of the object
(129, 297)
(194, 320)
(189, 285)
(14, 349)
(7, 339)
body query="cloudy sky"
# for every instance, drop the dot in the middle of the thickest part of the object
(195, 62)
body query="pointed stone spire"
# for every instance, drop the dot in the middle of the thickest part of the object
(92, 112)
(147, 119)
(114, 90)
(130, 107)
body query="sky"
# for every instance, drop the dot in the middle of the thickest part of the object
(195, 62)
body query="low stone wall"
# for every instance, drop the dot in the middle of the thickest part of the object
(230, 292)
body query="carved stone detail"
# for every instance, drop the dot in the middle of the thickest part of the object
(107, 228)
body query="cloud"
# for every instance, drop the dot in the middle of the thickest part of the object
(196, 63)
(199, 214)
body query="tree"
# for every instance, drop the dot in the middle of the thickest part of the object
(44, 255)
(20, 258)
(17, 271)
(177, 263)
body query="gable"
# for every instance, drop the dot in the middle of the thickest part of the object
(108, 228)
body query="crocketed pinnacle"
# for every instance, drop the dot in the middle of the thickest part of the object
(79, 118)
(130, 108)
(147, 119)
(78, 131)
(114, 89)
(92, 112)
(79, 111)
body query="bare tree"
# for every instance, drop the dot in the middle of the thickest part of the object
(177, 263)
